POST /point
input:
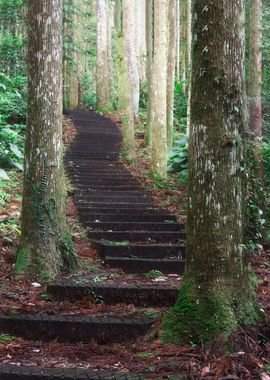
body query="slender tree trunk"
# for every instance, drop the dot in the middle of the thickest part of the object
(149, 15)
(125, 94)
(172, 18)
(46, 246)
(255, 68)
(217, 294)
(102, 71)
(129, 28)
(159, 78)
(178, 31)
(110, 11)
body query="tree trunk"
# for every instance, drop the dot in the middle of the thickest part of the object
(125, 97)
(149, 15)
(217, 293)
(177, 60)
(46, 246)
(255, 68)
(159, 77)
(129, 28)
(172, 18)
(102, 74)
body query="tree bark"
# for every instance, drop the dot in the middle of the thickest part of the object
(45, 246)
(172, 19)
(217, 293)
(159, 89)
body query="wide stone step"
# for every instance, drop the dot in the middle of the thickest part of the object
(90, 217)
(123, 210)
(145, 265)
(15, 372)
(111, 193)
(104, 181)
(72, 329)
(94, 199)
(153, 295)
(108, 187)
(139, 236)
(133, 250)
(134, 226)
(116, 205)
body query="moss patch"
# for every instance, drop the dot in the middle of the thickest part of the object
(23, 261)
(206, 316)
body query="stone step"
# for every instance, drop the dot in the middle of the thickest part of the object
(114, 201)
(90, 217)
(104, 181)
(18, 372)
(96, 199)
(153, 295)
(109, 187)
(111, 193)
(116, 205)
(138, 236)
(71, 329)
(133, 250)
(145, 265)
(123, 210)
(134, 226)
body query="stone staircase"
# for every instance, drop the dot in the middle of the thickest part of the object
(128, 231)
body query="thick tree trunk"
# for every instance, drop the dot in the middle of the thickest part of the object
(217, 293)
(159, 89)
(46, 246)
(149, 15)
(172, 19)
(255, 68)
(102, 70)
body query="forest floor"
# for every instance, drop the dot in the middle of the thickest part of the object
(249, 356)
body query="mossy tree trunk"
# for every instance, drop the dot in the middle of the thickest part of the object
(159, 89)
(172, 26)
(217, 294)
(45, 247)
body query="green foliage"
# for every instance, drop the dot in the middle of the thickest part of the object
(12, 108)
(178, 159)
(154, 273)
(180, 107)
(258, 212)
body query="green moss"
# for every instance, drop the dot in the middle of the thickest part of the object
(69, 257)
(208, 317)
(23, 261)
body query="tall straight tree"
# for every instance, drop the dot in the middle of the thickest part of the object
(149, 16)
(103, 74)
(125, 84)
(172, 40)
(159, 89)
(255, 68)
(129, 30)
(45, 246)
(217, 293)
